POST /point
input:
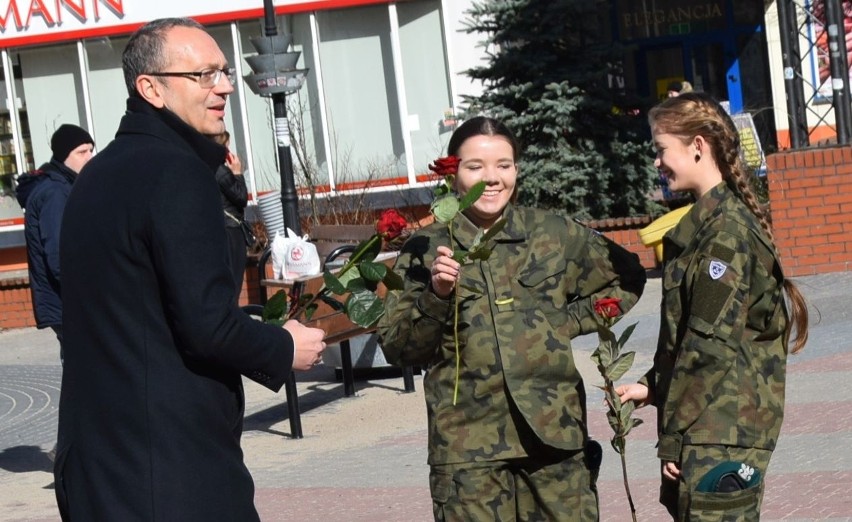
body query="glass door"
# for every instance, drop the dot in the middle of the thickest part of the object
(707, 65)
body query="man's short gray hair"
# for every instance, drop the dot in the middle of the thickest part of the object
(145, 49)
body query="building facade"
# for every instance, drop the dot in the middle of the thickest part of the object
(385, 81)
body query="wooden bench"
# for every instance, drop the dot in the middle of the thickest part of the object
(334, 242)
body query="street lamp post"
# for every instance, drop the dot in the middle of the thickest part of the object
(275, 76)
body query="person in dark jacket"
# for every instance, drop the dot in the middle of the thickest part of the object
(42, 194)
(151, 407)
(234, 194)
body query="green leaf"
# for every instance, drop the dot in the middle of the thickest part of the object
(625, 335)
(620, 366)
(472, 195)
(459, 256)
(373, 271)
(393, 281)
(309, 310)
(481, 253)
(596, 358)
(350, 275)
(367, 250)
(627, 408)
(333, 283)
(276, 306)
(613, 421)
(606, 344)
(356, 285)
(445, 208)
(364, 308)
(613, 398)
(495, 229)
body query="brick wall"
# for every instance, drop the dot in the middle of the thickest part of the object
(15, 303)
(810, 194)
(625, 232)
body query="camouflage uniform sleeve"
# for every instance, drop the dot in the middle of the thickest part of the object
(412, 325)
(605, 270)
(717, 286)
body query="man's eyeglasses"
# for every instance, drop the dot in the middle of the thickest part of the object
(207, 79)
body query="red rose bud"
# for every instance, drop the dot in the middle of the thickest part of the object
(608, 307)
(390, 224)
(446, 166)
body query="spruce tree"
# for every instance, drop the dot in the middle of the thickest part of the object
(585, 145)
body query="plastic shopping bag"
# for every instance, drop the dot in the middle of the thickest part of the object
(294, 256)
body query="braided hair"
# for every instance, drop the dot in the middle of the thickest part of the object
(697, 114)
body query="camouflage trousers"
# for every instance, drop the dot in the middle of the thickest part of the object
(528, 489)
(686, 504)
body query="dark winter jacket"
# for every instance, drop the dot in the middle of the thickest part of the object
(42, 194)
(151, 408)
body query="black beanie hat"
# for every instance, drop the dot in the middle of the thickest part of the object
(67, 138)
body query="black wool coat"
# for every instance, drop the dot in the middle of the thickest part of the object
(152, 402)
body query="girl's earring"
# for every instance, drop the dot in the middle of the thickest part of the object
(697, 158)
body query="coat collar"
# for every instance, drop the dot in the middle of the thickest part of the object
(707, 206)
(142, 117)
(465, 231)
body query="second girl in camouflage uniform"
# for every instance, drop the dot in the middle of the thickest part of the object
(719, 371)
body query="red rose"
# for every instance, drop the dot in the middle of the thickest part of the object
(446, 166)
(608, 307)
(390, 224)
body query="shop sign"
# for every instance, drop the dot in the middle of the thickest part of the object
(636, 20)
(27, 22)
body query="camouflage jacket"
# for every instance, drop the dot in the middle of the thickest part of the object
(719, 370)
(518, 311)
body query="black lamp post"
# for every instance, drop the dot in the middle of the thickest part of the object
(275, 76)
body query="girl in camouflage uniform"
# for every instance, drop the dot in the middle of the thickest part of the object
(515, 445)
(719, 371)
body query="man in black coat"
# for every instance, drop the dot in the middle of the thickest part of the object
(152, 403)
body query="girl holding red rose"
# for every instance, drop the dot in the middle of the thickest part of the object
(515, 444)
(719, 372)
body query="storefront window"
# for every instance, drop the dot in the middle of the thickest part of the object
(106, 87)
(51, 94)
(15, 150)
(430, 115)
(360, 91)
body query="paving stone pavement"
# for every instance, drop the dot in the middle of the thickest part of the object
(364, 458)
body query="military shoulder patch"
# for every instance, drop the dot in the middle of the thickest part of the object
(717, 269)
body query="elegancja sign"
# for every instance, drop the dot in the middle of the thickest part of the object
(632, 19)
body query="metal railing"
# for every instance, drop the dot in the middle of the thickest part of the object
(819, 24)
